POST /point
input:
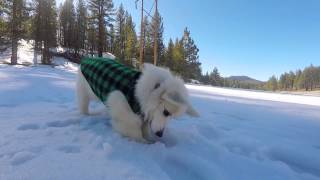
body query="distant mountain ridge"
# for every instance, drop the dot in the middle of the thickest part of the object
(245, 79)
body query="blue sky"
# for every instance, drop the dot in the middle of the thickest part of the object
(257, 38)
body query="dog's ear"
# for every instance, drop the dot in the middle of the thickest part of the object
(169, 100)
(170, 103)
(192, 112)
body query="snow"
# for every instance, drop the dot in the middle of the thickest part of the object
(108, 55)
(240, 135)
(25, 53)
(289, 98)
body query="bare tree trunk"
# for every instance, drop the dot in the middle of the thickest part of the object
(141, 37)
(14, 55)
(45, 54)
(101, 35)
(156, 27)
(35, 55)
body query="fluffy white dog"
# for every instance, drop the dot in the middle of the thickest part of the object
(160, 94)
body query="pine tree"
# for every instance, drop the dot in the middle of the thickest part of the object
(3, 24)
(148, 50)
(291, 78)
(2, 21)
(168, 59)
(297, 80)
(67, 21)
(191, 57)
(92, 38)
(178, 58)
(120, 33)
(17, 12)
(59, 25)
(81, 26)
(205, 78)
(272, 83)
(318, 77)
(157, 25)
(130, 41)
(146, 43)
(44, 27)
(310, 77)
(283, 81)
(101, 13)
(215, 78)
(2, 30)
(112, 40)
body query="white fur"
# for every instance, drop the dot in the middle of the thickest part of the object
(123, 119)
(171, 94)
(84, 93)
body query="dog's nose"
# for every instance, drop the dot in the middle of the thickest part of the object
(159, 133)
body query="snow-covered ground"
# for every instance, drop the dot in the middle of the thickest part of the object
(241, 135)
(252, 94)
(25, 53)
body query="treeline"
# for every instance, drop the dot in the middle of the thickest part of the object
(91, 28)
(307, 79)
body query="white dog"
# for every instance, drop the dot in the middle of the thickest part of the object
(160, 94)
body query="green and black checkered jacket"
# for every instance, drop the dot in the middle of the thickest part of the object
(107, 75)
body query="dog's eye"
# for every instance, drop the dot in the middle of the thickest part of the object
(157, 86)
(166, 113)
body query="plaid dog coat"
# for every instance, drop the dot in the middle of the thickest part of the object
(107, 75)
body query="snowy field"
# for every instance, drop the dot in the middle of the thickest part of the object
(241, 135)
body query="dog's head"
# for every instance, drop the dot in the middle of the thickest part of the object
(162, 96)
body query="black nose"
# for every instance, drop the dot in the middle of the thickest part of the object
(159, 133)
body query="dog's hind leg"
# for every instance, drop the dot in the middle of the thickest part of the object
(124, 120)
(82, 94)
